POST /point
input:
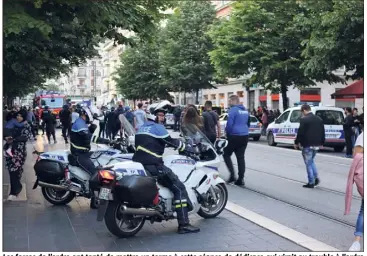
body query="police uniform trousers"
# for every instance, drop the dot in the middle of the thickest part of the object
(168, 179)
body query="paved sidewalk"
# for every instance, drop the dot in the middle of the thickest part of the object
(36, 225)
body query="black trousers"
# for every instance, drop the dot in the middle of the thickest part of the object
(177, 124)
(65, 130)
(15, 184)
(167, 178)
(84, 161)
(50, 131)
(349, 144)
(238, 145)
(102, 130)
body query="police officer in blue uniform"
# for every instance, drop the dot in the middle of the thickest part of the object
(80, 139)
(150, 142)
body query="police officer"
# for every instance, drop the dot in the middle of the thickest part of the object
(80, 140)
(49, 120)
(150, 142)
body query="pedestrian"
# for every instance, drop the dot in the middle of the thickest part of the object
(130, 116)
(65, 119)
(111, 123)
(192, 117)
(31, 119)
(49, 120)
(212, 127)
(5, 113)
(140, 117)
(102, 124)
(237, 130)
(348, 132)
(361, 119)
(37, 116)
(356, 175)
(17, 135)
(177, 115)
(74, 115)
(310, 136)
(264, 120)
(271, 117)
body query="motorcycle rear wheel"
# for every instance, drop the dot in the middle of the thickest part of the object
(114, 221)
(52, 196)
(212, 212)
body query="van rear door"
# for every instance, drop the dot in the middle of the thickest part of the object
(333, 121)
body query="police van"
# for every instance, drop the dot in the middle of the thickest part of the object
(284, 129)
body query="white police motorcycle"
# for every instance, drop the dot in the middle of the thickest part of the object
(60, 176)
(129, 196)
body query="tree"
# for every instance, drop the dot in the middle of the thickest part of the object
(260, 40)
(138, 76)
(185, 64)
(43, 38)
(336, 37)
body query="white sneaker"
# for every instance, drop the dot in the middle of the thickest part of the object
(356, 247)
(12, 198)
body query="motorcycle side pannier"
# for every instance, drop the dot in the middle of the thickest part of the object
(137, 190)
(49, 171)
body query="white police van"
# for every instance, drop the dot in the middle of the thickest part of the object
(254, 129)
(284, 128)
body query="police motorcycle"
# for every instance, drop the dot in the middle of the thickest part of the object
(129, 195)
(60, 177)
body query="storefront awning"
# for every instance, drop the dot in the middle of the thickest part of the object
(352, 91)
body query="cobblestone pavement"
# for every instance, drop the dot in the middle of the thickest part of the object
(36, 225)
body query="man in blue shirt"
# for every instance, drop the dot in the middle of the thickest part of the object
(237, 135)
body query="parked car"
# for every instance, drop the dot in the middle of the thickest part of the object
(284, 129)
(254, 129)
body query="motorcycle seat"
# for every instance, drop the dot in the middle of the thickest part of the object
(72, 160)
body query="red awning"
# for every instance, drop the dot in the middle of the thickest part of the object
(354, 90)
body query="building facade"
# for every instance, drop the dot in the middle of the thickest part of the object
(257, 96)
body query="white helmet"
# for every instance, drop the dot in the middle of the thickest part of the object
(150, 116)
(37, 108)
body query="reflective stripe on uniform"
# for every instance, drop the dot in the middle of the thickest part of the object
(79, 130)
(94, 139)
(153, 135)
(181, 205)
(182, 146)
(180, 201)
(78, 147)
(148, 151)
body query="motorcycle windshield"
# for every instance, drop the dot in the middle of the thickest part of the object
(126, 125)
(193, 135)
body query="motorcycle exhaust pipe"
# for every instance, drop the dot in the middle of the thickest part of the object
(49, 185)
(141, 211)
(72, 187)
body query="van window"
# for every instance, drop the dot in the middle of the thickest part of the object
(295, 116)
(282, 118)
(331, 117)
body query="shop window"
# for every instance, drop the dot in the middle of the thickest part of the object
(240, 94)
(221, 96)
(205, 97)
(230, 94)
(311, 91)
(214, 96)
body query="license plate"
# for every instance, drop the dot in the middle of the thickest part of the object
(104, 193)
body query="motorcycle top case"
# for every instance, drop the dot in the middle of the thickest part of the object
(136, 190)
(49, 171)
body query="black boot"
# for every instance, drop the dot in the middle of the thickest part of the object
(187, 228)
(231, 179)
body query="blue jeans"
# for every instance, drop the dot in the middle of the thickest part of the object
(309, 156)
(360, 221)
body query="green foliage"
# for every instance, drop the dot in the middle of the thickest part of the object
(261, 41)
(45, 37)
(138, 76)
(336, 37)
(185, 64)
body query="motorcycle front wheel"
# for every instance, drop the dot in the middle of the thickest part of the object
(212, 208)
(120, 225)
(56, 196)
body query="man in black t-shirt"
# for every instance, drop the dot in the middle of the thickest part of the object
(211, 123)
